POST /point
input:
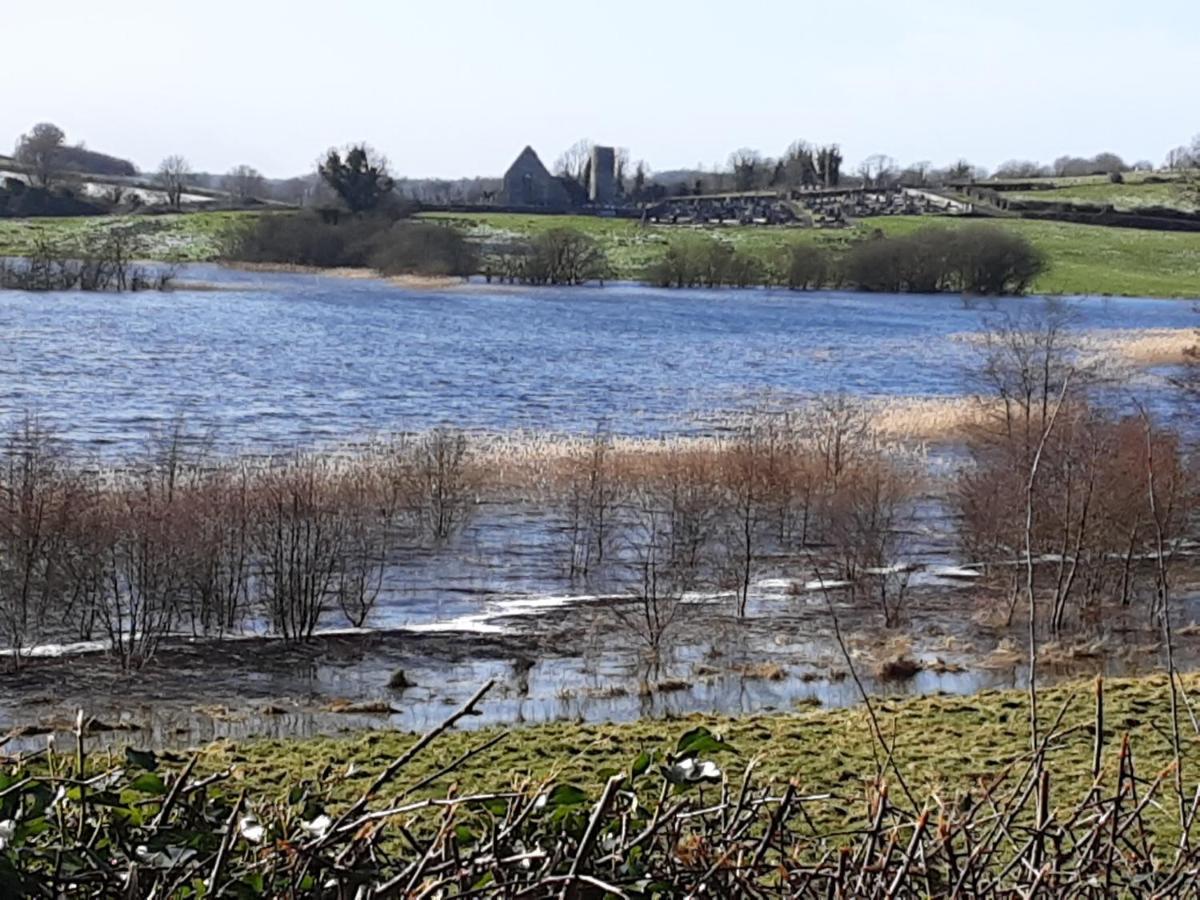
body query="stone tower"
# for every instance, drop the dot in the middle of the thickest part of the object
(602, 189)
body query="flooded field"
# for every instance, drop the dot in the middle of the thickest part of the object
(273, 361)
(268, 363)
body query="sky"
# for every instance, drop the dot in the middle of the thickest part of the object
(454, 88)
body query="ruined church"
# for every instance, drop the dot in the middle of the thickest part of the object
(528, 184)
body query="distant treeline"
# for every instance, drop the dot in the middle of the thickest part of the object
(979, 259)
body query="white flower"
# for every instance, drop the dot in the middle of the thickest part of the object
(7, 829)
(689, 771)
(251, 830)
(319, 826)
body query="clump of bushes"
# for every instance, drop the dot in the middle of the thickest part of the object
(558, 256)
(394, 247)
(978, 259)
(21, 200)
(701, 261)
(807, 267)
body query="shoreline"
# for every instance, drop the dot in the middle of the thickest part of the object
(426, 282)
(551, 668)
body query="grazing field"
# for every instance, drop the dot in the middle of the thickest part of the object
(943, 746)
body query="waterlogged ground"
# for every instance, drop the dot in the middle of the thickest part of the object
(577, 662)
(269, 362)
(275, 361)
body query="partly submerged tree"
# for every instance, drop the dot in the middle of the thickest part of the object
(361, 178)
(39, 149)
(172, 176)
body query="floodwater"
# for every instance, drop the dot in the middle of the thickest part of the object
(273, 361)
(269, 362)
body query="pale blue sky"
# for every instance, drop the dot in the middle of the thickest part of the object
(458, 87)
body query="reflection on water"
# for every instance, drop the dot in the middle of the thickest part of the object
(783, 659)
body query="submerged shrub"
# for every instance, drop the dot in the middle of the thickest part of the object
(559, 256)
(806, 267)
(976, 259)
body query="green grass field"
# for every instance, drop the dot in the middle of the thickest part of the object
(1092, 259)
(186, 237)
(1084, 259)
(943, 745)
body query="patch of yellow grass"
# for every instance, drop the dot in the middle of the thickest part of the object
(928, 418)
(1146, 346)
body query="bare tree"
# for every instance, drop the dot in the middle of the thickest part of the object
(243, 183)
(39, 149)
(575, 161)
(746, 165)
(172, 177)
(34, 504)
(668, 525)
(878, 170)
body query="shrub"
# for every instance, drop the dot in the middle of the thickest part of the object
(978, 259)
(423, 249)
(305, 239)
(806, 267)
(376, 241)
(559, 256)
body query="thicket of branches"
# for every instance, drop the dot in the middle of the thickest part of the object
(1073, 504)
(976, 259)
(667, 524)
(177, 542)
(103, 264)
(557, 256)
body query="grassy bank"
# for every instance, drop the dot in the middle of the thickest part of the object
(186, 237)
(943, 745)
(1092, 259)
(1084, 259)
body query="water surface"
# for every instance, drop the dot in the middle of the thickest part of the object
(274, 361)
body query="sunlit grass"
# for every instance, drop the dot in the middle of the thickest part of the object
(943, 745)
